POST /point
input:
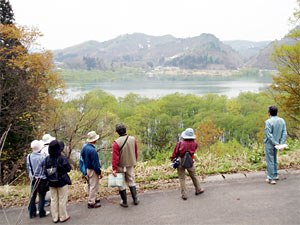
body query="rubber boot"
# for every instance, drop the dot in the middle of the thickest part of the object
(123, 195)
(134, 195)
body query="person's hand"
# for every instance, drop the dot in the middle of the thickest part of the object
(281, 149)
(114, 173)
(100, 176)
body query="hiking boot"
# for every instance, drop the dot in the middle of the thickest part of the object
(200, 191)
(123, 195)
(183, 197)
(96, 205)
(97, 200)
(136, 201)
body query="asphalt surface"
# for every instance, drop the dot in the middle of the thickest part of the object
(235, 200)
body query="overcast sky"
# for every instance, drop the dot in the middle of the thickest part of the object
(68, 22)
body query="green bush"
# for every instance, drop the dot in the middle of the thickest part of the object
(232, 149)
(256, 154)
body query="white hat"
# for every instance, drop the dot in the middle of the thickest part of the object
(37, 145)
(92, 136)
(188, 134)
(47, 138)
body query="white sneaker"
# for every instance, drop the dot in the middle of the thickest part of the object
(273, 182)
(276, 178)
(47, 213)
(270, 181)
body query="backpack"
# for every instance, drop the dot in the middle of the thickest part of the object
(52, 173)
(82, 166)
(186, 160)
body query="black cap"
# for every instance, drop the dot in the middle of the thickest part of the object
(55, 148)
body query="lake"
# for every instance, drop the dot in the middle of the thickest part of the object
(157, 89)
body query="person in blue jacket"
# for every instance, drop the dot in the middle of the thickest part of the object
(93, 169)
(275, 134)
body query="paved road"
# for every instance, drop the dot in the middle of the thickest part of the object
(234, 201)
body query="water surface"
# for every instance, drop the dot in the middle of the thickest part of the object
(157, 89)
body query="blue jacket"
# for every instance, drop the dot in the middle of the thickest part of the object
(90, 158)
(38, 169)
(275, 131)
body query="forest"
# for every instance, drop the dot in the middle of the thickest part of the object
(218, 121)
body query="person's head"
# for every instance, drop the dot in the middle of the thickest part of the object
(92, 137)
(47, 138)
(36, 145)
(55, 148)
(272, 110)
(188, 134)
(120, 129)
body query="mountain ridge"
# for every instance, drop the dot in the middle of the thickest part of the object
(139, 50)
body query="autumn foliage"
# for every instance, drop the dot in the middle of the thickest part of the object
(286, 84)
(27, 83)
(207, 134)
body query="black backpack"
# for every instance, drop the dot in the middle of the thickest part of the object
(51, 173)
(186, 160)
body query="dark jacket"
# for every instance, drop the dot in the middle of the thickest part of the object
(55, 159)
(90, 158)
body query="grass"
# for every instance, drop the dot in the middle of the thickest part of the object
(158, 174)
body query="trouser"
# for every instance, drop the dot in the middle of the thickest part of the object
(271, 159)
(128, 175)
(59, 199)
(181, 175)
(93, 186)
(36, 185)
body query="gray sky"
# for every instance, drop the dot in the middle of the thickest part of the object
(68, 22)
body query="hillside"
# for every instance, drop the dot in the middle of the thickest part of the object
(262, 60)
(145, 51)
(247, 49)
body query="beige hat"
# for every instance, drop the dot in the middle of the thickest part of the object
(92, 136)
(47, 138)
(37, 145)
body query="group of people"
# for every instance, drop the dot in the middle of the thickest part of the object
(46, 160)
(48, 169)
(124, 159)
